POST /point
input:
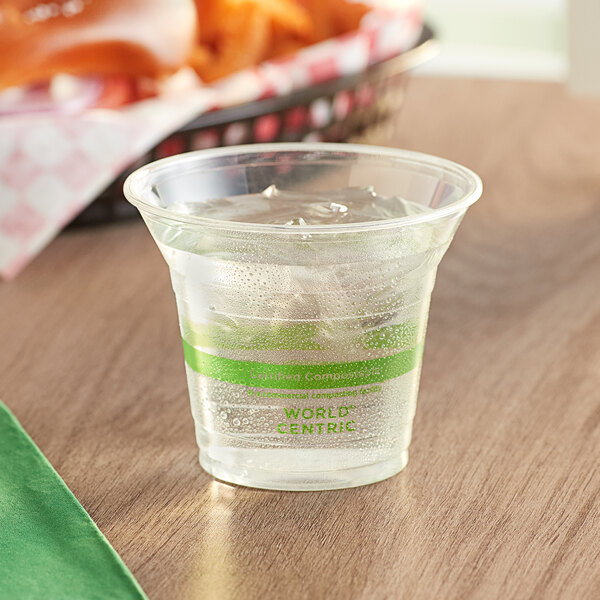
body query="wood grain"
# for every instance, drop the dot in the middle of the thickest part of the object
(501, 495)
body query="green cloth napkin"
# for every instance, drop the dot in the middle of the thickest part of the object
(49, 546)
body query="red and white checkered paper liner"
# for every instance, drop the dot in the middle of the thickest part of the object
(52, 166)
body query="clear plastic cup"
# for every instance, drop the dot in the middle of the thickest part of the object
(302, 345)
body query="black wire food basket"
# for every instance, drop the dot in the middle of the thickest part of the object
(353, 108)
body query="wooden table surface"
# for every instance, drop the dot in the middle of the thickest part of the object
(501, 495)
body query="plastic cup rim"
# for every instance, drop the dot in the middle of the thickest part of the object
(472, 194)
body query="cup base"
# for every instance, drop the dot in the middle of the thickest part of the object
(304, 481)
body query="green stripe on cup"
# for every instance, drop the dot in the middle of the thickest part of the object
(295, 377)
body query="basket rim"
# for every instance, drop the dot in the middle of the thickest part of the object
(425, 49)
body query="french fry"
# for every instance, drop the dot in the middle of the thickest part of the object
(236, 34)
(284, 44)
(346, 16)
(286, 15)
(201, 56)
(334, 17)
(320, 12)
(244, 42)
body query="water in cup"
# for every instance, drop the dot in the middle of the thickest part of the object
(316, 352)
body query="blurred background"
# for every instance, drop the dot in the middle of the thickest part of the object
(85, 97)
(550, 40)
(500, 38)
